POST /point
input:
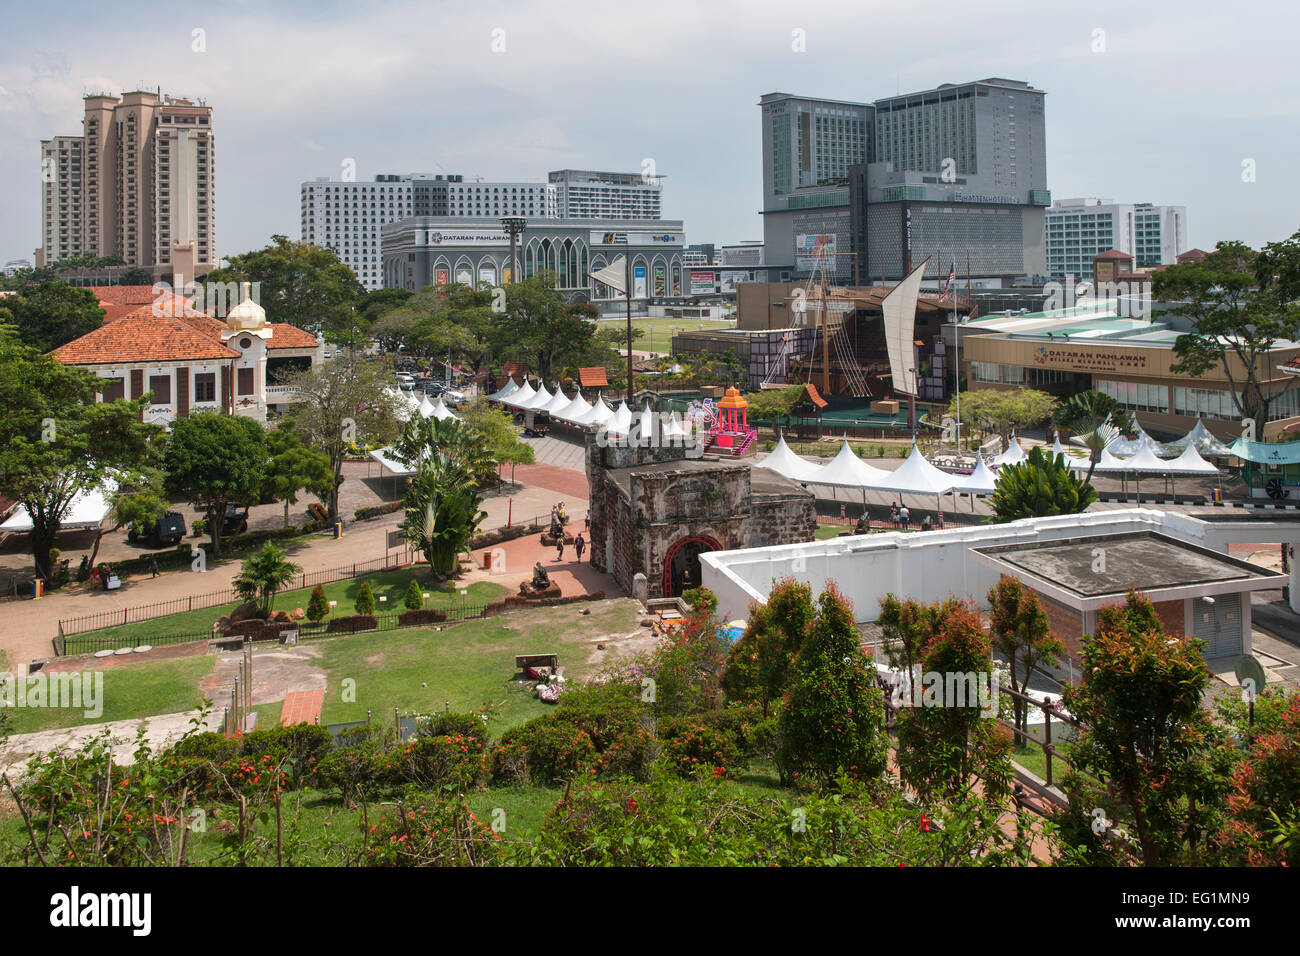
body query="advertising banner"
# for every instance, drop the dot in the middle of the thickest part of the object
(442, 277)
(702, 283)
(809, 247)
(661, 281)
(638, 282)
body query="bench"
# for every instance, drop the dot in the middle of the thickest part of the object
(529, 664)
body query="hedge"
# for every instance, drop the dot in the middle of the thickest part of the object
(421, 616)
(352, 623)
(375, 511)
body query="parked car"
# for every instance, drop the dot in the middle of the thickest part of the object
(168, 530)
(236, 521)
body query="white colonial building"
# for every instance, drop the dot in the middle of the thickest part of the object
(189, 361)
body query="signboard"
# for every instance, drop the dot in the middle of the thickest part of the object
(638, 282)
(487, 274)
(809, 247)
(464, 275)
(729, 280)
(637, 238)
(702, 283)
(1085, 359)
(661, 281)
(396, 539)
(442, 277)
(461, 237)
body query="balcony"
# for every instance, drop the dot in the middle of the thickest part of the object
(277, 394)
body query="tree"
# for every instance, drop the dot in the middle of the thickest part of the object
(214, 460)
(414, 596)
(319, 605)
(1004, 410)
(459, 445)
(1140, 700)
(1096, 418)
(57, 442)
(540, 329)
(141, 503)
(365, 603)
(761, 663)
(1020, 630)
(135, 277)
(1041, 485)
(442, 513)
(1263, 828)
(774, 404)
(833, 717)
(442, 322)
(905, 628)
(53, 314)
(342, 406)
(300, 283)
(497, 432)
(263, 575)
(1241, 304)
(295, 467)
(950, 738)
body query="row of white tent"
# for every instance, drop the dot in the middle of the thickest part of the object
(846, 470)
(409, 405)
(1140, 455)
(578, 411)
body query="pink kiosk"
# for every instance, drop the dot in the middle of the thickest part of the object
(731, 431)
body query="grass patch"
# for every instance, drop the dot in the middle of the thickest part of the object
(390, 584)
(130, 691)
(825, 531)
(1032, 758)
(467, 665)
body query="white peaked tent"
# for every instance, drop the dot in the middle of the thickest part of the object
(1190, 462)
(86, 511)
(425, 407)
(845, 470)
(574, 410)
(622, 421)
(520, 396)
(673, 428)
(510, 387)
(442, 412)
(784, 462)
(596, 415)
(916, 476)
(540, 399)
(1202, 440)
(1107, 463)
(1145, 460)
(1127, 447)
(1012, 456)
(558, 403)
(981, 481)
(1057, 449)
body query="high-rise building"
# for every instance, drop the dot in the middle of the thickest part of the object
(1079, 229)
(584, 194)
(875, 188)
(348, 216)
(138, 183)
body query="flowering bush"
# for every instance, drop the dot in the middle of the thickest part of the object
(694, 746)
(429, 831)
(454, 763)
(557, 750)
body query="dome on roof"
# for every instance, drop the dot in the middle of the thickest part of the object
(247, 315)
(733, 399)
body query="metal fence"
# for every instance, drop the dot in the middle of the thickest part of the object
(197, 602)
(89, 643)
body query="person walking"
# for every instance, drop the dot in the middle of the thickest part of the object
(153, 567)
(579, 545)
(559, 548)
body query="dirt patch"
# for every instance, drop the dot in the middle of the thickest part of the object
(377, 660)
(618, 647)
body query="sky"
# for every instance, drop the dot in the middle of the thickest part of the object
(1189, 103)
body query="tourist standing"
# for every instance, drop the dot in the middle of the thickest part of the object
(559, 547)
(904, 517)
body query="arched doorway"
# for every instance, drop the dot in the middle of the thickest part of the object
(682, 563)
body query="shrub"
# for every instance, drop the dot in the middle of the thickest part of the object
(318, 606)
(450, 724)
(428, 615)
(432, 831)
(700, 598)
(301, 745)
(509, 764)
(605, 712)
(365, 603)
(697, 746)
(455, 763)
(349, 770)
(414, 596)
(557, 750)
(351, 624)
(631, 754)
(375, 511)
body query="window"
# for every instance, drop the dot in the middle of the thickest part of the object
(114, 388)
(161, 386)
(245, 384)
(205, 387)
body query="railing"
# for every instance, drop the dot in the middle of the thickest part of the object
(282, 393)
(198, 602)
(90, 643)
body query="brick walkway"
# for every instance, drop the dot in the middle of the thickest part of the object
(301, 707)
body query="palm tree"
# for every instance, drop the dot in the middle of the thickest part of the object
(442, 513)
(1097, 419)
(450, 439)
(264, 574)
(1040, 485)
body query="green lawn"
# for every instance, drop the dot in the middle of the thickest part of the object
(662, 333)
(389, 584)
(468, 665)
(132, 690)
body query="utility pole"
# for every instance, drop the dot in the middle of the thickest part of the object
(627, 264)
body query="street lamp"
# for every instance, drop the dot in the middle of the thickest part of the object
(514, 227)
